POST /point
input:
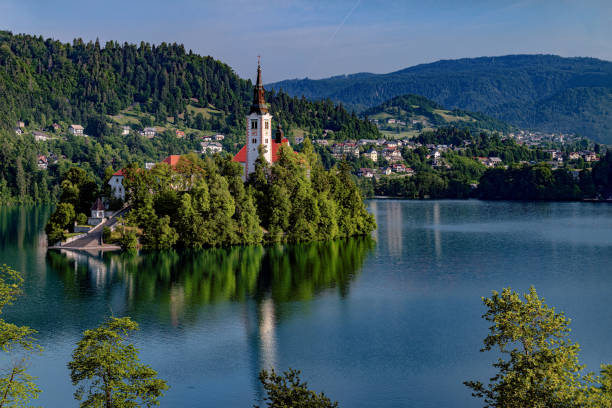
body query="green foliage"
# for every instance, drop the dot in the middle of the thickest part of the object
(16, 385)
(602, 176)
(288, 390)
(204, 203)
(61, 219)
(539, 363)
(128, 239)
(107, 371)
(538, 182)
(81, 219)
(542, 92)
(46, 81)
(413, 107)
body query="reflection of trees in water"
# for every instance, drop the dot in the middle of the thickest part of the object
(285, 273)
(170, 283)
(22, 225)
(282, 272)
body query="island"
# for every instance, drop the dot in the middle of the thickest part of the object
(266, 193)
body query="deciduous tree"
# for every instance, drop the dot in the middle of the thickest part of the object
(107, 371)
(538, 365)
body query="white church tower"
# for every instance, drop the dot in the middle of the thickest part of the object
(259, 127)
(259, 132)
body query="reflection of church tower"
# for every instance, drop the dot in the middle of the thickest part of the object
(260, 325)
(258, 131)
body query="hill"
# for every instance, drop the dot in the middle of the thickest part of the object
(48, 85)
(540, 92)
(409, 114)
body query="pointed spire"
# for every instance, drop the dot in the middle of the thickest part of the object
(259, 105)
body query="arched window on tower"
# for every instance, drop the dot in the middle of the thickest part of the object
(254, 124)
(267, 124)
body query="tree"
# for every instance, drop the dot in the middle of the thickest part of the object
(61, 219)
(288, 390)
(16, 385)
(539, 366)
(107, 371)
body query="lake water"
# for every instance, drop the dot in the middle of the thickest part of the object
(387, 321)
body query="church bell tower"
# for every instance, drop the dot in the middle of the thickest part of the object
(258, 126)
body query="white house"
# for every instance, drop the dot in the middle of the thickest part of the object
(116, 184)
(125, 130)
(218, 137)
(365, 172)
(372, 155)
(211, 147)
(148, 132)
(76, 130)
(40, 136)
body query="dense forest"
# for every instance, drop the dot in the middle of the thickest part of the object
(43, 81)
(204, 203)
(540, 92)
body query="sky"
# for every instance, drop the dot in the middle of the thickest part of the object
(322, 38)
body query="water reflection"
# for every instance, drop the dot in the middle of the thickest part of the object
(177, 285)
(181, 280)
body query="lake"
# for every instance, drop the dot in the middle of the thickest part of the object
(388, 321)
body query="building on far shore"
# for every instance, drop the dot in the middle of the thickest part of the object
(211, 147)
(148, 132)
(40, 136)
(116, 184)
(76, 130)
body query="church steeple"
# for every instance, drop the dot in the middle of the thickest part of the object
(259, 105)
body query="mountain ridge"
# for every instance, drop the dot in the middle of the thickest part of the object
(536, 91)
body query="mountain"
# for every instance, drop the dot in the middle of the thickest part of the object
(539, 92)
(410, 114)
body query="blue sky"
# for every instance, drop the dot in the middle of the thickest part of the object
(298, 38)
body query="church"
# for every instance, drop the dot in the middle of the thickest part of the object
(259, 132)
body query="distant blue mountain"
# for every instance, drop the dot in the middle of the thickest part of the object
(541, 92)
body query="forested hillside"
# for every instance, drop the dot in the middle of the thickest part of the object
(540, 92)
(417, 113)
(45, 82)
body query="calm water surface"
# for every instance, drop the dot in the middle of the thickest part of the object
(383, 322)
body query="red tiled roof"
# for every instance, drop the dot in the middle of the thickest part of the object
(172, 160)
(241, 156)
(119, 173)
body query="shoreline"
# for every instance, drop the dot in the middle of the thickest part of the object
(585, 200)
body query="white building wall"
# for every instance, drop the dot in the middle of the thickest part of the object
(117, 189)
(261, 135)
